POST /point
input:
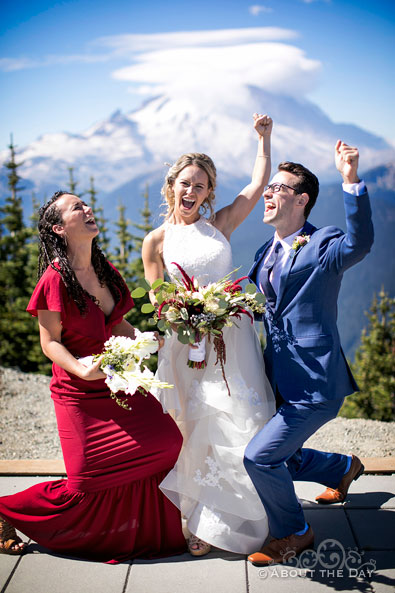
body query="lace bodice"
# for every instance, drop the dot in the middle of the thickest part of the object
(200, 248)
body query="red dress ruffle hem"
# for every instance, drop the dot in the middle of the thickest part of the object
(110, 507)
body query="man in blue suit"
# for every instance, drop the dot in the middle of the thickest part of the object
(300, 271)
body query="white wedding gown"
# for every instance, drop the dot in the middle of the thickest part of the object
(209, 483)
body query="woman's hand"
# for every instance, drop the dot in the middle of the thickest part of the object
(263, 124)
(161, 340)
(92, 372)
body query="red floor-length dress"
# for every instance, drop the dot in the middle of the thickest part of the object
(110, 507)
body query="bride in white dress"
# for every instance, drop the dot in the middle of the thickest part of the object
(209, 483)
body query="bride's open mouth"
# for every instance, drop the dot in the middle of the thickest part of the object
(188, 204)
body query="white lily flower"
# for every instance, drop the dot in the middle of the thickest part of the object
(116, 383)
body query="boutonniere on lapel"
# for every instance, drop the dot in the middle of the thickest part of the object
(299, 242)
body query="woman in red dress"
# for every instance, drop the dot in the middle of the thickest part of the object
(110, 507)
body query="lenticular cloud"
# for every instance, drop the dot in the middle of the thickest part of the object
(215, 64)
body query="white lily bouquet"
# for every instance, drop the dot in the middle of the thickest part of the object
(122, 361)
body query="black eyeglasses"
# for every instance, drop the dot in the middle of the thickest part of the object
(276, 187)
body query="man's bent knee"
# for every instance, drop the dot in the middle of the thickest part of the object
(254, 457)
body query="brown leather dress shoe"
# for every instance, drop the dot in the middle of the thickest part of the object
(339, 494)
(282, 550)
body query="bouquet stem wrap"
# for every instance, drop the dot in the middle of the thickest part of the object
(197, 355)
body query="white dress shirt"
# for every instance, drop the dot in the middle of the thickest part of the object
(356, 189)
(286, 245)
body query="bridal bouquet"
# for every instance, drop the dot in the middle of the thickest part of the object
(121, 361)
(197, 312)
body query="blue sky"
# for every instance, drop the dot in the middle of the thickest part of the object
(65, 65)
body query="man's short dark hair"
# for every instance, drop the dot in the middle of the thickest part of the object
(308, 182)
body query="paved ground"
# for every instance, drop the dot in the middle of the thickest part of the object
(354, 551)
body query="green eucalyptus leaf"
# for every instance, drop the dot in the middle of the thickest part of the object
(260, 298)
(147, 308)
(250, 289)
(183, 336)
(151, 321)
(138, 292)
(162, 324)
(143, 282)
(159, 298)
(157, 283)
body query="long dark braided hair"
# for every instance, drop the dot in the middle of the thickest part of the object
(54, 248)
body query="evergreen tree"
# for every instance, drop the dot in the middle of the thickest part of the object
(135, 317)
(35, 357)
(374, 365)
(32, 247)
(101, 222)
(72, 183)
(127, 259)
(144, 227)
(92, 193)
(16, 326)
(124, 246)
(12, 211)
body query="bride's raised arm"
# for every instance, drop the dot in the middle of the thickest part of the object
(230, 217)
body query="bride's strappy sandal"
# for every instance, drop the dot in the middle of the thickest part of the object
(202, 548)
(9, 540)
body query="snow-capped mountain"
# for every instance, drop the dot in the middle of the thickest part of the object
(136, 145)
(126, 151)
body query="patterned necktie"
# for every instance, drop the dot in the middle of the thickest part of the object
(264, 275)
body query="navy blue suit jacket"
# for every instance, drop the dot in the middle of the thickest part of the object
(303, 355)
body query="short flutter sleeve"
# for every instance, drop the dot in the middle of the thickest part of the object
(49, 294)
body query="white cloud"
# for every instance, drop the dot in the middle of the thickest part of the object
(214, 64)
(256, 9)
(219, 63)
(14, 64)
(132, 43)
(118, 46)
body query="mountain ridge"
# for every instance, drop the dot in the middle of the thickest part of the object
(124, 146)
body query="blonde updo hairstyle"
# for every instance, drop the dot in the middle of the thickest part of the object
(203, 162)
